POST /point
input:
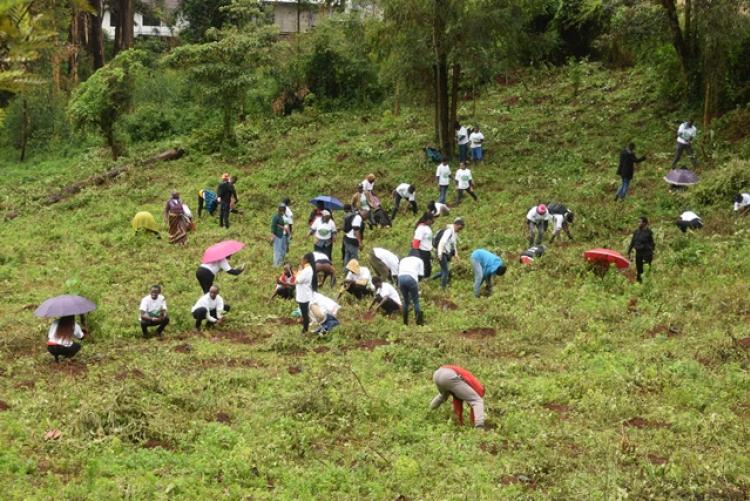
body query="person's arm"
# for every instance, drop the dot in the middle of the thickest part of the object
(358, 234)
(219, 309)
(632, 244)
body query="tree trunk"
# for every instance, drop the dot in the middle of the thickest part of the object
(688, 26)
(24, 128)
(455, 81)
(96, 34)
(436, 113)
(124, 35)
(299, 2)
(441, 76)
(678, 40)
(73, 37)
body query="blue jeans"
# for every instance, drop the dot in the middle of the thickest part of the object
(410, 290)
(444, 273)
(351, 251)
(479, 277)
(329, 323)
(477, 154)
(463, 150)
(443, 193)
(623, 188)
(279, 250)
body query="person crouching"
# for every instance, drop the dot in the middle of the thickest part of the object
(463, 386)
(211, 308)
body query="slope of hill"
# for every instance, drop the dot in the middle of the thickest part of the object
(597, 387)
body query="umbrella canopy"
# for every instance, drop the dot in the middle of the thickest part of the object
(219, 251)
(606, 256)
(330, 203)
(63, 306)
(681, 177)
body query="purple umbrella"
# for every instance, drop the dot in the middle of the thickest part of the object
(63, 306)
(681, 177)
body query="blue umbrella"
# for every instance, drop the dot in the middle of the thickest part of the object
(62, 306)
(329, 203)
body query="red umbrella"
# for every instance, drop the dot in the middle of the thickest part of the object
(606, 256)
(221, 250)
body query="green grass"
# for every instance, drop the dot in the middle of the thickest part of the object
(574, 360)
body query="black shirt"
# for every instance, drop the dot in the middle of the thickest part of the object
(627, 163)
(225, 192)
(642, 241)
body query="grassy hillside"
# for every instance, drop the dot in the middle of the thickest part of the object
(597, 387)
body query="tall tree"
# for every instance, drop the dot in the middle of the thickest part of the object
(124, 34)
(96, 34)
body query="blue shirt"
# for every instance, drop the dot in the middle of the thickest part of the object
(488, 261)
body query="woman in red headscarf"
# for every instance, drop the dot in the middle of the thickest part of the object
(463, 386)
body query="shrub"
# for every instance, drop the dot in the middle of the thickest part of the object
(44, 115)
(723, 184)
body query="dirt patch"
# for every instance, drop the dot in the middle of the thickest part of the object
(560, 409)
(4, 406)
(26, 385)
(233, 336)
(511, 101)
(293, 369)
(371, 344)
(494, 448)
(478, 332)
(321, 349)
(633, 305)
(342, 156)
(744, 342)
(657, 460)
(284, 321)
(742, 409)
(667, 330)
(641, 423)
(153, 443)
(518, 479)
(127, 374)
(447, 305)
(183, 348)
(223, 417)
(70, 368)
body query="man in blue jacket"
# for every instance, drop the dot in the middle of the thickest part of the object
(486, 264)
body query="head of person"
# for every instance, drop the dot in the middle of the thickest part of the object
(738, 198)
(287, 201)
(155, 291)
(411, 188)
(476, 128)
(353, 266)
(175, 194)
(631, 146)
(360, 188)
(65, 327)
(213, 292)
(500, 271)
(690, 122)
(326, 216)
(426, 218)
(307, 259)
(281, 208)
(462, 165)
(541, 209)
(569, 216)
(347, 207)
(371, 177)
(320, 205)
(377, 282)
(225, 177)
(431, 206)
(642, 222)
(287, 269)
(456, 125)
(458, 224)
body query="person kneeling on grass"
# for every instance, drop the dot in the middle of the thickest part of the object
(386, 297)
(438, 209)
(689, 220)
(486, 265)
(61, 336)
(463, 386)
(285, 283)
(358, 281)
(323, 311)
(742, 203)
(210, 307)
(153, 311)
(324, 269)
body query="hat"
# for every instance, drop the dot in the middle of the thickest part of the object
(460, 221)
(281, 206)
(326, 213)
(370, 177)
(225, 176)
(353, 266)
(541, 209)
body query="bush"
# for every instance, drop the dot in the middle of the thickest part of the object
(47, 126)
(723, 183)
(149, 123)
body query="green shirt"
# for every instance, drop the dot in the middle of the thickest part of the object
(277, 225)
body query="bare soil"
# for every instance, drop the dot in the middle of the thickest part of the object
(223, 417)
(321, 349)
(127, 374)
(183, 348)
(447, 305)
(234, 336)
(27, 385)
(667, 330)
(294, 369)
(478, 332)
(519, 479)
(657, 460)
(230, 362)
(371, 344)
(70, 368)
(744, 342)
(560, 409)
(4, 406)
(284, 321)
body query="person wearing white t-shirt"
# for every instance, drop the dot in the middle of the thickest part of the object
(410, 269)
(422, 241)
(209, 307)
(686, 133)
(385, 263)
(407, 192)
(464, 183)
(689, 220)
(537, 219)
(324, 230)
(153, 312)
(324, 310)
(354, 226)
(562, 219)
(476, 139)
(386, 297)
(742, 203)
(288, 218)
(206, 272)
(447, 250)
(443, 178)
(304, 288)
(62, 336)
(462, 139)
(438, 209)
(358, 280)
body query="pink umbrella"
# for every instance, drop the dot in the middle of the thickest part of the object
(606, 256)
(221, 250)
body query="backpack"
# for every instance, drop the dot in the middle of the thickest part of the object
(437, 237)
(348, 222)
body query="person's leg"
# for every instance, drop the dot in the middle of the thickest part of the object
(461, 390)
(162, 325)
(444, 271)
(205, 278)
(459, 196)
(539, 234)
(473, 195)
(52, 349)
(443, 193)
(328, 250)
(691, 154)
(489, 284)
(145, 324)
(639, 265)
(396, 204)
(532, 228)
(224, 214)
(278, 250)
(199, 315)
(304, 308)
(404, 288)
(390, 306)
(70, 351)
(647, 260)
(677, 153)
(414, 291)
(200, 205)
(478, 276)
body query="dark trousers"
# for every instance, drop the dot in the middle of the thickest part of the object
(205, 278)
(397, 203)
(390, 306)
(444, 273)
(443, 193)
(463, 152)
(689, 225)
(358, 291)
(162, 323)
(684, 148)
(410, 291)
(200, 315)
(304, 309)
(641, 258)
(224, 209)
(58, 351)
(460, 195)
(426, 257)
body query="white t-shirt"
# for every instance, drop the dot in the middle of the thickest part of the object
(440, 209)
(303, 291)
(423, 233)
(462, 136)
(389, 258)
(411, 266)
(387, 291)
(689, 216)
(476, 139)
(186, 212)
(463, 177)
(216, 266)
(363, 203)
(364, 274)
(559, 220)
(288, 216)
(535, 217)
(443, 173)
(447, 241)
(319, 256)
(686, 134)
(745, 202)
(356, 225)
(153, 307)
(323, 230)
(325, 303)
(367, 185)
(209, 304)
(52, 334)
(403, 190)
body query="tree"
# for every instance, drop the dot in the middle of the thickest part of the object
(200, 16)
(100, 101)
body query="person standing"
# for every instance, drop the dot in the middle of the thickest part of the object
(324, 231)
(464, 183)
(422, 241)
(443, 178)
(224, 194)
(288, 218)
(463, 386)
(537, 219)
(278, 230)
(486, 265)
(462, 139)
(407, 192)
(354, 232)
(410, 269)
(643, 243)
(153, 311)
(62, 335)
(626, 169)
(686, 133)
(447, 249)
(173, 215)
(209, 307)
(477, 149)
(206, 272)
(304, 288)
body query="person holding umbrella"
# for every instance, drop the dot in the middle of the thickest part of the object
(64, 330)
(324, 230)
(686, 133)
(643, 243)
(215, 259)
(317, 212)
(626, 169)
(153, 312)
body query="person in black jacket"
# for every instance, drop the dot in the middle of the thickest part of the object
(224, 194)
(626, 169)
(643, 243)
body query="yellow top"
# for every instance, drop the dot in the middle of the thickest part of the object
(144, 221)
